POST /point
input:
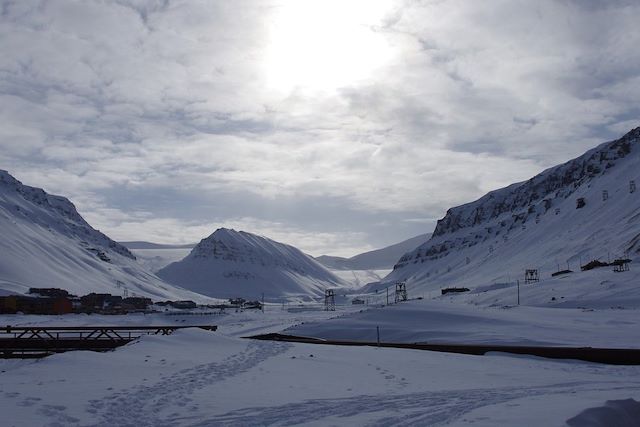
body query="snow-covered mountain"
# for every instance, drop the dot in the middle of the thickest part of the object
(152, 246)
(584, 209)
(156, 259)
(46, 243)
(232, 263)
(155, 256)
(378, 259)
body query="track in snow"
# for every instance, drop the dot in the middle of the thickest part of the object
(146, 405)
(424, 408)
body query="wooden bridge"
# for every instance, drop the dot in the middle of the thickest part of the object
(40, 341)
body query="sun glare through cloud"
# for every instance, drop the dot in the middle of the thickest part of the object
(322, 117)
(379, 176)
(322, 46)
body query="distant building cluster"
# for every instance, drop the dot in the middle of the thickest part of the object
(59, 301)
(241, 303)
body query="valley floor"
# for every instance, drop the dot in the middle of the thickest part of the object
(444, 321)
(199, 378)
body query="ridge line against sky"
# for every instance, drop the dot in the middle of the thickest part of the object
(334, 126)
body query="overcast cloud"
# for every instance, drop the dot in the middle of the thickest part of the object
(336, 126)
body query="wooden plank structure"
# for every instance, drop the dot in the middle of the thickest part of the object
(40, 341)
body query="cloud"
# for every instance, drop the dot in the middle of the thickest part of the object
(160, 119)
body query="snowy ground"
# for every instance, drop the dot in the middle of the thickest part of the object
(199, 378)
(444, 321)
(591, 308)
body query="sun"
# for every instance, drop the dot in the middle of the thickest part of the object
(322, 45)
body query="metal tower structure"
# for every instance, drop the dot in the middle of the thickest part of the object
(401, 291)
(329, 300)
(531, 276)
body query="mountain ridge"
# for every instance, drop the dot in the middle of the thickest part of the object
(70, 220)
(560, 177)
(581, 209)
(46, 243)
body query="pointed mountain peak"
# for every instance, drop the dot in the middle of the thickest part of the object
(237, 263)
(223, 234)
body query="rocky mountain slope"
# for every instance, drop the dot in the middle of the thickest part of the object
(46, 243)
(585, 209)
(232, 263)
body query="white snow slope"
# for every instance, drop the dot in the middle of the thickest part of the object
(157, 259)
(535, 224)
(379, 259)
(359, 278)
(46, 243)
(233, 263)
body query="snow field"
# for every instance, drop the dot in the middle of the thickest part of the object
(442, 321)
(199, 378)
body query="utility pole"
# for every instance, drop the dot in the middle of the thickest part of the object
(263, 302)
(387, 295)
(518, 292)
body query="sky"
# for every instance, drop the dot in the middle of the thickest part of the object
(337, 126)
